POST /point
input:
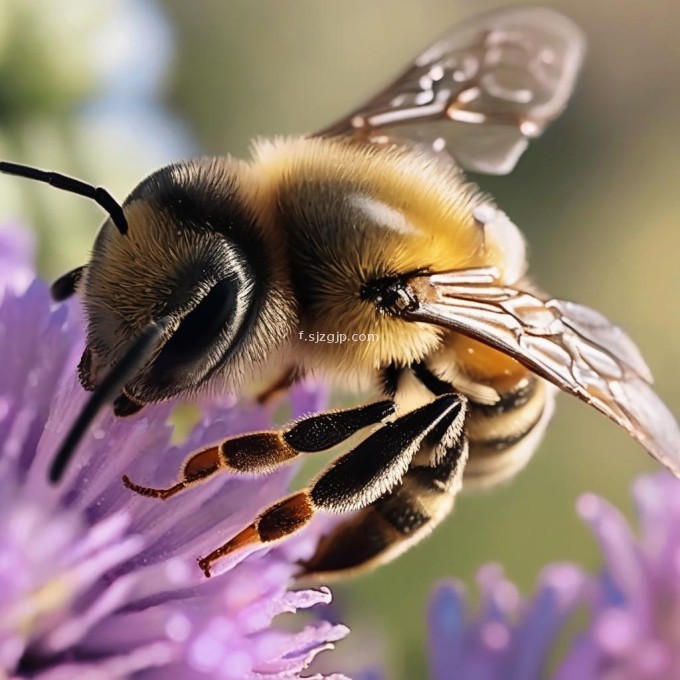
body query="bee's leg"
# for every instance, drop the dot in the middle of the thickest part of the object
(502, 436)
(390, 377)
(262, 452)
(398, 520)
(433, 383)
(353, 482)
(66, 284)
(278, 387)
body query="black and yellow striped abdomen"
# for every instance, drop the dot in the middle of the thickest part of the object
(503, 436)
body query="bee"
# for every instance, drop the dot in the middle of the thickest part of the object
(214, 271)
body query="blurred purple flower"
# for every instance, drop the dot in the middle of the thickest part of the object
(634, 633)
(101, 584)
(509, 639)
(17, 248)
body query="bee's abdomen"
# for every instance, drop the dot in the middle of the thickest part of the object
(503, 435)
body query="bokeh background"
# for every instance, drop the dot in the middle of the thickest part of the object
(109, 91)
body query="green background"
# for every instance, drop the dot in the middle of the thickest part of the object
(597, 197)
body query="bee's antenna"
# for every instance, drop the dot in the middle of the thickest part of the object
(135, 356)
(75, 186)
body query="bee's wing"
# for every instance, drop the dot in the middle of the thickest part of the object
(481, 91)
(572, 346)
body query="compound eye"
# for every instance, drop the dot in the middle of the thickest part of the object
(199, 329)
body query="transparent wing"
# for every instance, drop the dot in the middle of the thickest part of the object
(481, 91)
(570, 345)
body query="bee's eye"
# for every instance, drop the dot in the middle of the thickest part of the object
(201, 327)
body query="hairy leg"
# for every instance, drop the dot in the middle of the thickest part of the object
(262, 452)
(401, 518)
(357, 479)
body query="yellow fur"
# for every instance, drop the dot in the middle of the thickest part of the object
(416, 212)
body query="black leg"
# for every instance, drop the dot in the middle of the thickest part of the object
(278, 387)
(262, 452)
(433, 383)
(389, 380)
(376, 465)
(356, 480)
(65, 285)
(503, 435)
(396, 521)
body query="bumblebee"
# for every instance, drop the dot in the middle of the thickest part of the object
(214, 271)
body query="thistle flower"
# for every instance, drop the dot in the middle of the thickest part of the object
(633, 629)
(16, 254)
(509, 639)
(634, 633)
(99, 583)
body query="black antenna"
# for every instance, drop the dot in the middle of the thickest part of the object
(135, 356)
(75, 186)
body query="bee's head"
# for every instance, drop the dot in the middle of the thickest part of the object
(194, 255)
(187, 282)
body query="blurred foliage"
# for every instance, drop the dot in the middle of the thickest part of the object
(32, 79)
(596, 197)
(80, 88)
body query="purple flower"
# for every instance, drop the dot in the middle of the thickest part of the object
(98, 583)
(508, 639)
(634, 632)
(16, 256)
(633, 628)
